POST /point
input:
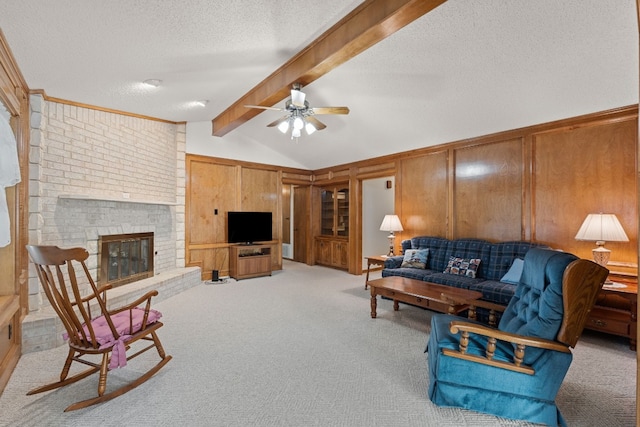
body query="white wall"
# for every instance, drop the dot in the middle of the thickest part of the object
(377, 201)
(232, 146)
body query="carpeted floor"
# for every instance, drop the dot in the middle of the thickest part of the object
(299, 349)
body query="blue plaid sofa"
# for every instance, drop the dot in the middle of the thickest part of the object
(496, 260)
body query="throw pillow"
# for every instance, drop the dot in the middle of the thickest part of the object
(463, 266)
(514, 273)
(415, 258)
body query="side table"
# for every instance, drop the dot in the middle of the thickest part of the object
(373, 260)
(616, 309)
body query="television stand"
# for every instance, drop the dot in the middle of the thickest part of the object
(246, 261)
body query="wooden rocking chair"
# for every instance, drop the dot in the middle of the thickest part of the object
(109, 333)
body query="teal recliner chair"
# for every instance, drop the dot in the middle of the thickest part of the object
(515, 371)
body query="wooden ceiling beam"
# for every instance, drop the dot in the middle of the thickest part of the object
(363, 27)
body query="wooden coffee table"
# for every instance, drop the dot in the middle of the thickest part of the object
(445, 299)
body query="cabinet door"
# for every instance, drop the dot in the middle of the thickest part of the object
(326, 215)
(323, 252)
(342, 212)
(339, 254)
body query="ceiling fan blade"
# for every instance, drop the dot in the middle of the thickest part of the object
(330, 110)
(265, 108)
(277, 122)
(315, 122)
(297, 97)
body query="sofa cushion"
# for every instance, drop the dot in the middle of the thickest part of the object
(463, 266)
(502, 256)
(393, 262)
(455, 280)
(514, 273)
(415, 258)
(470, 249)
(494, 291)
(410, 273)
(438, 249)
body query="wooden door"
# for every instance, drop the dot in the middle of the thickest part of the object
(286, 213)
(301, 223)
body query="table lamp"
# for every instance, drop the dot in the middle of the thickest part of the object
(600, 228)
(391, 223)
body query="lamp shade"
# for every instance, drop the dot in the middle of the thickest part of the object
(391, 223)
(602, 228)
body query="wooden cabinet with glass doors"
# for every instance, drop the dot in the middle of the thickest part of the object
(333, 241)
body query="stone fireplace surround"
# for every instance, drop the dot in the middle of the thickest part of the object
(95, 173)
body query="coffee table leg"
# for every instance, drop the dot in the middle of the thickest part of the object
(396, 305)
(374, 304)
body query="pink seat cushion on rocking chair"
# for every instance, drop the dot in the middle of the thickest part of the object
(122, 322)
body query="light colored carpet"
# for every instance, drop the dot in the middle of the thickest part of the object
(299, 348)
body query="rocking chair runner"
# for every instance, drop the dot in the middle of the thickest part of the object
(109, 333)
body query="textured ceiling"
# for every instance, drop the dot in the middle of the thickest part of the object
(466, 69)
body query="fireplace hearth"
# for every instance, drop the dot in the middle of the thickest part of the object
(125, 258)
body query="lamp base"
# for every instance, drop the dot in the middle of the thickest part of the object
(391, 238)
(601, 255)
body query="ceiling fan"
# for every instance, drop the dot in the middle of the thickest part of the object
(300, 114)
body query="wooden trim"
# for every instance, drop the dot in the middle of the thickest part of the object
(369, 23)
(628, 112)
(96, 108)
(451, 191)
(245, 164)
(12, 82)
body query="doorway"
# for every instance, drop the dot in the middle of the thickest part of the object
(378, 200)
(296, 201)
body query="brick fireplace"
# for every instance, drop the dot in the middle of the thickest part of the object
(95, 173)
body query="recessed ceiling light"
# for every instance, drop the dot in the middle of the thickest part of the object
(202, 103)
(153, 82)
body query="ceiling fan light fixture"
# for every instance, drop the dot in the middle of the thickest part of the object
(284, 126)
(298, 123)
(310, 128)
(297, 98)
(299, 114)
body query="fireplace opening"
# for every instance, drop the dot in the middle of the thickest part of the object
(125, 258)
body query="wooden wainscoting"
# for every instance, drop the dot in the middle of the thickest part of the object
(535, 183)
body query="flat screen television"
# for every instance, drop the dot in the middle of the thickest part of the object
(249, 227)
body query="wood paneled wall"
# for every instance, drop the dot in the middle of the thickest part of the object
(216, 186)
(536, 183)
(423, 181)
(586, 170)
(488, 191)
